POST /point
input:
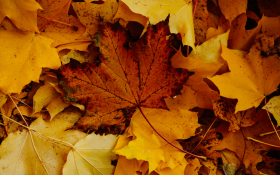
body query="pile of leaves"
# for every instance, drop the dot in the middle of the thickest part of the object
(139, 87)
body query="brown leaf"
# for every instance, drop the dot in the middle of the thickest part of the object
(124, 77)
(225, 108)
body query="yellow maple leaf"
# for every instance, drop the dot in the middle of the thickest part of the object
(126, 14)
(42, 148)
(25, 55)
(127, 166)
(152, 147)
(180, 11)
(204, 63)
(252, 77)
(91, 155)
(145, 147)
(22, 13)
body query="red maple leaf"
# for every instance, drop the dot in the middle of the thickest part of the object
(126, 75)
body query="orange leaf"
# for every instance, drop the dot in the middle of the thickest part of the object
(251, 78)
(25, 55)
(90, 14)
(239, 37)
(64, 29)
(180, 12)
(232, 8)
(124, 77)
(126, 14)
(271, 26)
(248, 150)
(22, 13)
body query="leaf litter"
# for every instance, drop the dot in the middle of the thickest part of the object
(233, 84)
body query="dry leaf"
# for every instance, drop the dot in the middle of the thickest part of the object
(225, 109)
(25, 57)
(22, 14)
(123, 78)
(252, 77)
(91, 155)
(42, 149)
(158, 11)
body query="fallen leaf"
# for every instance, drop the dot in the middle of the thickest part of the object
(144, 147)
(23, 15)
(90, 56)
(90, 14)
(204, 63)
(273, 106)
(210, 50)
(149, 146)
(232, 8)
(64, 29)
(41, 149)
(25, 55)
(225, 109)
(239, 37)
(223, 27)
(91, 155)
(178, 170)
(158, 11)
(126, 14)
(44, 95)
(247, 151)
(252, 77)
(127, 166)
(122, 78)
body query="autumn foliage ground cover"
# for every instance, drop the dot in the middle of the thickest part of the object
(139, 87)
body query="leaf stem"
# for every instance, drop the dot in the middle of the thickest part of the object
(255, 140)
(267, 133)
(205, 133)
(53, 16)
(202, 157)
(19, 111)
